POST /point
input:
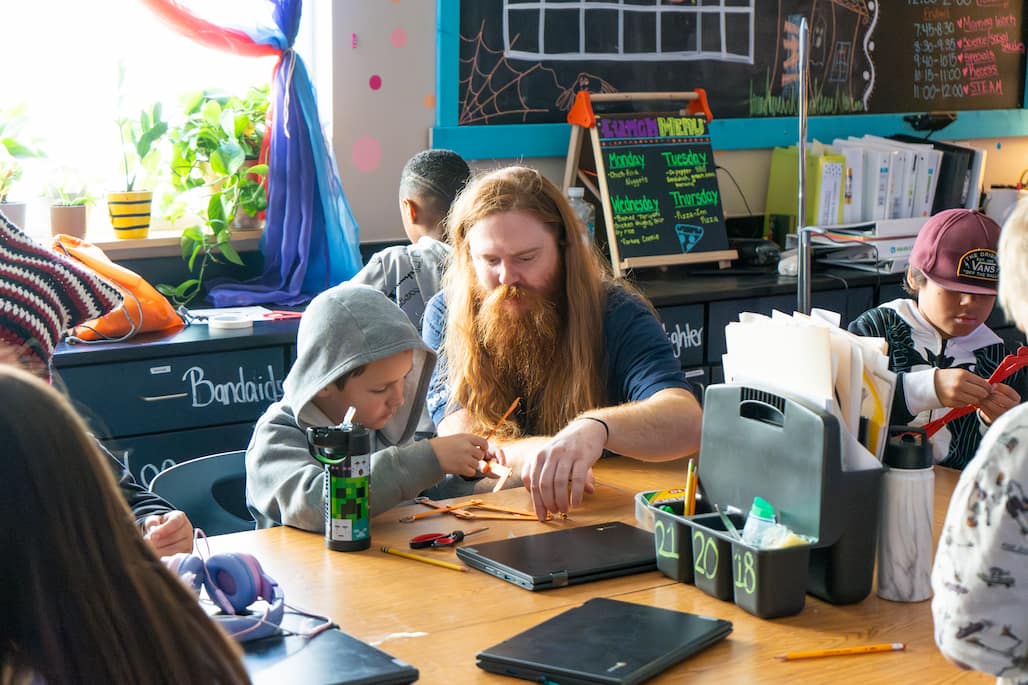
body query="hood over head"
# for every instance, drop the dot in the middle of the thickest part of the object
(346, 327)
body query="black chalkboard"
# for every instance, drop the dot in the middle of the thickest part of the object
(659, 190)
(523, 61)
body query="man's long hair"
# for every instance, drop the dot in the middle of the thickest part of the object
(82, 596)
(577, 376)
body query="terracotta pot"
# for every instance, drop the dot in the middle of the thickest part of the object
(68, 219)
(130, 213)
(15, 213)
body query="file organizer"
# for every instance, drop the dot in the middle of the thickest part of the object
(756, 442)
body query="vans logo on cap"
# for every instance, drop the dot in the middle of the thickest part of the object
(979, 264)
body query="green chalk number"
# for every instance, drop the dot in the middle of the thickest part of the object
(706, 553)
(745, 574)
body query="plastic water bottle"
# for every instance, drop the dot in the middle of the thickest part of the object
(345, 450)
(583, 208)
(760, 520)
(905, 526)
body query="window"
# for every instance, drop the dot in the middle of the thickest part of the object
(62, 60)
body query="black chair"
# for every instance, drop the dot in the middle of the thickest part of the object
(210, 490)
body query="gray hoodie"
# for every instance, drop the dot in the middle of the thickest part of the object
(343, 328)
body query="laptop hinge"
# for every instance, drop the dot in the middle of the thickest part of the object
(560, 578)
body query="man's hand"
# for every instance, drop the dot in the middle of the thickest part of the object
(959, 387)
(1002, 399)
(560, 472)
(169, 533)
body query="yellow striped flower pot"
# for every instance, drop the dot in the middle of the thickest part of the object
(130, 213)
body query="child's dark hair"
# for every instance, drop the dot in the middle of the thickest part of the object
(356, 371)
(435, 177)
(919, 279)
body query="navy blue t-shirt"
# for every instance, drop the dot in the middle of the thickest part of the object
(639, 358)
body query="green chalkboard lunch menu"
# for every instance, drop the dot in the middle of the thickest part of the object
(522, 61)
(659, 183)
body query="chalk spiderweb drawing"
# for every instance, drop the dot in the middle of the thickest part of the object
(494, 87)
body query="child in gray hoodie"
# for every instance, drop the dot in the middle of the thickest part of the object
(355, 348)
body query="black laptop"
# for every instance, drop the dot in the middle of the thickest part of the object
(565, 557)
(604, 641)
(331, 658)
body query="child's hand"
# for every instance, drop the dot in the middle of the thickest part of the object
(495, 456)
(168, 533)
(1002, 399)
(959, 387)
(459, 453)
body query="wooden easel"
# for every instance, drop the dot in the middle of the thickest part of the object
(582, 118)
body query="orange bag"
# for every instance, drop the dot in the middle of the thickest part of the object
(144, 310)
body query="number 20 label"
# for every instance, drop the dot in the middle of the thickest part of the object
(706, 554)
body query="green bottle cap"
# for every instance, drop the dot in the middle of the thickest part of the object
(762, 508)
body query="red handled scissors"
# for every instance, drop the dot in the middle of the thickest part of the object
(279, 315)
(441, 539)
(1010, 364)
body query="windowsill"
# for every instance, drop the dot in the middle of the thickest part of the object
(164, 244)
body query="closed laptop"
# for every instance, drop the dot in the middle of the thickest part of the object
(603, 642)
(565, 557)
(331, 658)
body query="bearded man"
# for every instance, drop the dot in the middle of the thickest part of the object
(529, 310)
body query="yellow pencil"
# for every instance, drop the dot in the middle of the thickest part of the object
(428, 560)
(689, 508)
(843, 651)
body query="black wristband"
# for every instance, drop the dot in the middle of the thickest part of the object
(602, 423)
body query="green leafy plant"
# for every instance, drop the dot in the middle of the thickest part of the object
(14, 147)
(68, 190)
(215, 151)
(138, 138)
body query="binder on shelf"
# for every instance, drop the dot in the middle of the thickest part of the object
(877, 178)
(853, 182)
(926, 172)
(883, 228)
(824, 192)
(826, 172)
(918, 172)
(900, 162)
(976, 178)
(880, 246)
(954, 181)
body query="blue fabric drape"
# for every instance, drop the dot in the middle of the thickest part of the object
(311, 239)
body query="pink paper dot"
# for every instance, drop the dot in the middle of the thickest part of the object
(398, 38)
(367, 153)
(375, 82)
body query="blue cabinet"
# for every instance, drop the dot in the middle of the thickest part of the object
(157, 402)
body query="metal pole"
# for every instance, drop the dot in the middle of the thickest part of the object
(803, 235)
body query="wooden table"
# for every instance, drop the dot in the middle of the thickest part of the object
(438, 619)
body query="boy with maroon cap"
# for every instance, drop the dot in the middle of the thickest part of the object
(939, 345)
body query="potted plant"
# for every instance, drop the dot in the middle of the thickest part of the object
(214, 154)
(69, 199)
(13, 149)
(130, 208)
(218, 144)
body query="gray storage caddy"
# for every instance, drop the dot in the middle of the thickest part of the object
(759, 443)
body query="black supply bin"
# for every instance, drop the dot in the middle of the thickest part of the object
(672, 538)
(759, 443)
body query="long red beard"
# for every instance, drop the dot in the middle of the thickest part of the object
(519, 341)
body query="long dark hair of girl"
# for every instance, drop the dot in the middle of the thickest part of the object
(83, 599)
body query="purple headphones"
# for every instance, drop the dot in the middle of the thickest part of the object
(234, 582)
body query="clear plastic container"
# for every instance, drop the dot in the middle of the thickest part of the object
(760, 520)
(583, 208)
